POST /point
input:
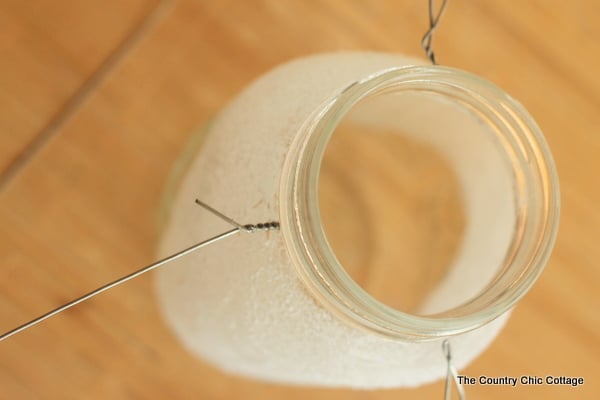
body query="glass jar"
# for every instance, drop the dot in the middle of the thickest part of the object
(279, 305)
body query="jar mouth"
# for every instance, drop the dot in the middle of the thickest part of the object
(537, 203)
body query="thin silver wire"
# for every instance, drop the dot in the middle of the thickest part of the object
(84, 93)
(237, 228)
(434, 21)
(249, 228)
(451, 374)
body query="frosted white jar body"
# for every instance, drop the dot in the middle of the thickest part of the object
(246, 306)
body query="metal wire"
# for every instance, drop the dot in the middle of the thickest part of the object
(249, 228)
(451, 374)
(55, 124)
(434, 21)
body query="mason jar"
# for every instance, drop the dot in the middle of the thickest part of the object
(286, 306)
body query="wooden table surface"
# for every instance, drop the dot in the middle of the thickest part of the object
(97, 100)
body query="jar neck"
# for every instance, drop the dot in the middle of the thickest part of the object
(537, 201)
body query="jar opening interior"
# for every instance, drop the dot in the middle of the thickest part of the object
(417, 200)
(500, 208)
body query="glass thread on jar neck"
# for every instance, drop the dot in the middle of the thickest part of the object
(537, 204)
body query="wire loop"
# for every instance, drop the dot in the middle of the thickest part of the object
(451, 374)
(434, 21)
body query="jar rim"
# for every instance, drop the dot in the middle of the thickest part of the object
(315, 261)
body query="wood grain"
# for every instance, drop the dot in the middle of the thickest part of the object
(84, 210)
